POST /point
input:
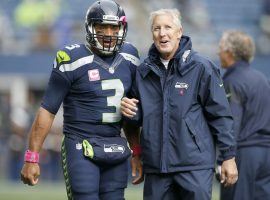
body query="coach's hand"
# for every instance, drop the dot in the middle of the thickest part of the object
(30, 173)
(137, 170)
(129, 107)
(229, 173)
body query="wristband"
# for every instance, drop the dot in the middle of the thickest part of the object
(31, 157)
(136, 150)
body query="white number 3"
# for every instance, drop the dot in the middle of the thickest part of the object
(72, 46)
(114, 101)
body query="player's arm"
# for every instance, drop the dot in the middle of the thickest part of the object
(130, 107)
(132, 134)
(58, 86)
(40, 129)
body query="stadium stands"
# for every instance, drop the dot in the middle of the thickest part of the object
(203, 20)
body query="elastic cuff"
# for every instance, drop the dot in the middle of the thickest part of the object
(228, 153)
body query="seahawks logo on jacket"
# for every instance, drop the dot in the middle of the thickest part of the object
(181, 85)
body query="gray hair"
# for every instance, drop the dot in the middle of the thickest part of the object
(240, 44)
(174, 13)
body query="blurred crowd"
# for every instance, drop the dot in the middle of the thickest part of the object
(31, 26)
(35, 25)
(15, 123)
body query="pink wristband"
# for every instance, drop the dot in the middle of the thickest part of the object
(136, 150)
(31, 157)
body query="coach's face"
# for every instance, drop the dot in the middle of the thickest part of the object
(166, 35)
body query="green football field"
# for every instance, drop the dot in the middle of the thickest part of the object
(56, 191)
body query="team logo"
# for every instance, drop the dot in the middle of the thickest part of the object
(93, 75)
(62, 56)
(111, 148)
(182, 87)
(111, 70)
(79, 146)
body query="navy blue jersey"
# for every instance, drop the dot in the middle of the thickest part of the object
(90, 89)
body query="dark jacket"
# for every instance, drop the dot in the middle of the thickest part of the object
(248, 91)
(184, 112)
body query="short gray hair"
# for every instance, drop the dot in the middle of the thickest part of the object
(240, 44)
(174, 13)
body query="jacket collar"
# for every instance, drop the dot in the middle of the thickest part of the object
(236, 65)
(181, 58)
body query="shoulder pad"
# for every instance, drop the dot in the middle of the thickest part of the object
(130, 53)
(72, 57)
(62, 56)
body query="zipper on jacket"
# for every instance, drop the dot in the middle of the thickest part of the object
(167, 77)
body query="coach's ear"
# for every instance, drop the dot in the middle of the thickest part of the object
(180, 33)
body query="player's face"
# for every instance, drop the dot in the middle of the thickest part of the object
(107, 34)
(166, 35)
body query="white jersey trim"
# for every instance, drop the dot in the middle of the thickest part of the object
(133, 59)
(75, 65)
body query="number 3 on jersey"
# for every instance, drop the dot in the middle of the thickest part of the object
(115, 101)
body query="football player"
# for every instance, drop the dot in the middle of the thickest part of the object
(90, 80)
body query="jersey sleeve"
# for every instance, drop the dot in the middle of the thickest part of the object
(130, 53)
(59, 82)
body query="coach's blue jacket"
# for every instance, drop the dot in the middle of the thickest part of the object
(248, 91)
(184, 112)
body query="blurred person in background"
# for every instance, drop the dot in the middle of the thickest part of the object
(35, 22)
(19, 123)
(90, 79)
(5, 134)
(265, 18)
(248, 94)
(180, 100)
(7, 39)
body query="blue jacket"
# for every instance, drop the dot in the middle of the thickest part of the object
(184, 112)
(248, 91)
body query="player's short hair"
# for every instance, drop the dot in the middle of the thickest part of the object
(240, 44)
(174, 13)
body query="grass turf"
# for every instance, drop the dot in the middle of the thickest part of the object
(57, 191)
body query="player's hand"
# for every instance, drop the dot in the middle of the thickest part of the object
(229, 173)
(137, 170)
(129, 107)
(30, 173)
